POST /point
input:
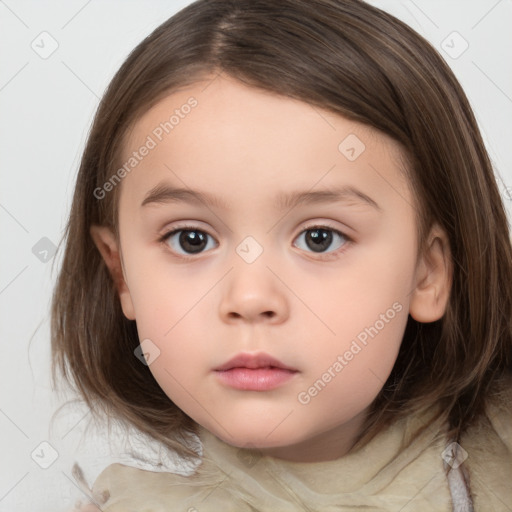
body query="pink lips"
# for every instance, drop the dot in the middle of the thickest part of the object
(256, 372)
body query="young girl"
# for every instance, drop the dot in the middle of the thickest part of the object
(287, 241)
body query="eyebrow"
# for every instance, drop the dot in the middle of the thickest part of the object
(164, 193)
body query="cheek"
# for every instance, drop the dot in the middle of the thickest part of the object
(174, 312)
(364, 313)
(346, 375)
(162, 292)
(371, 281)
(171, 317)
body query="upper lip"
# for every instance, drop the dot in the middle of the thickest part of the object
(260, 360)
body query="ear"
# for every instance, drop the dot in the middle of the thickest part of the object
(433, 279)
(107, 245)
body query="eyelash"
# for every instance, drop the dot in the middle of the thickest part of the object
(326, 256)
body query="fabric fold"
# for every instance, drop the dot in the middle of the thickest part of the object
(397, 470)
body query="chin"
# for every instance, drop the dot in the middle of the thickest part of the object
(256, 436)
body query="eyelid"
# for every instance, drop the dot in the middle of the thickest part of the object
(323, 224)
(163, 239)
(332, 255)
(194, 226)
(184, 225)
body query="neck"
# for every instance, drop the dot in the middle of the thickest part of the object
(323, 446)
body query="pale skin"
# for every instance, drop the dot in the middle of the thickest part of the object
(305, 308)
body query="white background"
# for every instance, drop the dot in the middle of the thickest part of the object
(46, 109)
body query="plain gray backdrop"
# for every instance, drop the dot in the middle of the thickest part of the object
(57, 58)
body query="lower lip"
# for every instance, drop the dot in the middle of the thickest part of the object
(257, 379)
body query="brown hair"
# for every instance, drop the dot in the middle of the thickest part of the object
(357, 61)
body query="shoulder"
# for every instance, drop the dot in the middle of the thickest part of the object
(120, 487)
(488, 450)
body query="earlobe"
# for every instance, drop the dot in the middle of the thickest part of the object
(107, 245)
(433, 279)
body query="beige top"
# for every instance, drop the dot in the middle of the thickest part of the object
(396, 471)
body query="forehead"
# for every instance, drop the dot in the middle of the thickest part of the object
(227, 137)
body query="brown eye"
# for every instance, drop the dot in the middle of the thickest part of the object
(320, 238)
(187, 241)
(192, 241)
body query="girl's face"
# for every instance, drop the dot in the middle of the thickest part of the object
(298, 240)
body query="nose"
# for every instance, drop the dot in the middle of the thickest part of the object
(253, 293)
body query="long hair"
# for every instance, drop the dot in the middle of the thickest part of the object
(356, 61)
